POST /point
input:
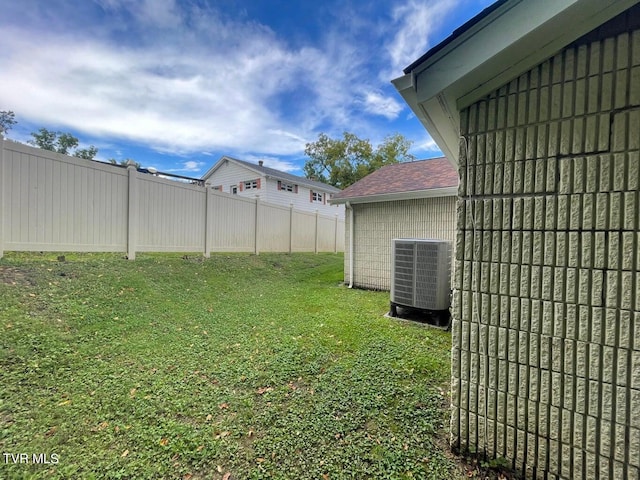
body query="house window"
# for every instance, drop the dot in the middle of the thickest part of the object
(287, 187)
(233, 189)
(250, 184)
(317, 197)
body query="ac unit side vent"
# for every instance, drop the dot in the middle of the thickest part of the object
(421, 273)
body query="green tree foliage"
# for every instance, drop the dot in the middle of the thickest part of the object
(343, 161)
(63, 143)
(7, 121)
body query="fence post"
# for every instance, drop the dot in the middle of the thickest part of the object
(291, 228)
(2, 195)
(132, 226)
(257, 230)
(208, 208)
(335, 235)
(315, 246)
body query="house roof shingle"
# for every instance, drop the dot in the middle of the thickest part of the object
(402, 178)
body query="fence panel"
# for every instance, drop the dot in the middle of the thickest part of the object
(170, 215)
(327, 234)
(274, 228)
(304, 231)
(231, 223)
(55, 202)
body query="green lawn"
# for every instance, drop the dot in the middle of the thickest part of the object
(234, 367)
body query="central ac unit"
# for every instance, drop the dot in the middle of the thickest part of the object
(421, 274)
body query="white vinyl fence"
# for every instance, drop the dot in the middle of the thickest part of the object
(52, 202)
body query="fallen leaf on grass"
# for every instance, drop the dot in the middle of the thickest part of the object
(209, 417)
(263, 390)
(222, 435)
(226, 476)
(199, 449)
(164, 442)
(220, 469)
(101, 426)
(132, 392)
(223, 406)
(125, 453)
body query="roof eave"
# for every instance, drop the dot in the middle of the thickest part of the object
(390, 197)
(506, 42)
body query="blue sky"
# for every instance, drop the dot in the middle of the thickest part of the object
(176, 84)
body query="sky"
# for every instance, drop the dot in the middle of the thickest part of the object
(176, 84)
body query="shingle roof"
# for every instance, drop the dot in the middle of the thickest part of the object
(273, 173)
(402, 178)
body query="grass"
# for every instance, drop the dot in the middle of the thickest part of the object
(234, 367)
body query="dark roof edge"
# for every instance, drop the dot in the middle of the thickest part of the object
(455, 34)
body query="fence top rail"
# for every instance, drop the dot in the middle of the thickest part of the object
(156, 178)
(11, 146)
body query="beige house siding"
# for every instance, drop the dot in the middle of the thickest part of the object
(546, 329)
(377, 224)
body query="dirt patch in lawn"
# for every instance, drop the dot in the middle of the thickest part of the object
(16, 276)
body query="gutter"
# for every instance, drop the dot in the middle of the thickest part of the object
(350, 208)
(396, 196)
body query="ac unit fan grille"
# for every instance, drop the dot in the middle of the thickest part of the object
(421, 273)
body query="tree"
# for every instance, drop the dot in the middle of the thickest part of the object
(63, 143)
(343, 161)
(7, 121)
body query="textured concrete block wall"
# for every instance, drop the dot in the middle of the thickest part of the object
(546, 330)
(377, 224)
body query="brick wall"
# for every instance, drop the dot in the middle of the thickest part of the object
(546, 330)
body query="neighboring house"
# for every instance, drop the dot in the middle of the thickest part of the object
(238, 177)
(405, 200)
(538, 104)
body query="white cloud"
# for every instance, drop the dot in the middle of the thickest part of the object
(153, 95)
(180, 78)
(192, 166)
(378, 104)
(161, 13)
(211, 88)
(428, 145)
(272, 162)
(414, 21)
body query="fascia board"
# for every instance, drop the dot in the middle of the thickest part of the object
(434, 115)
(510, 41)
(485, 41)
(533, 45)
(389, 197)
